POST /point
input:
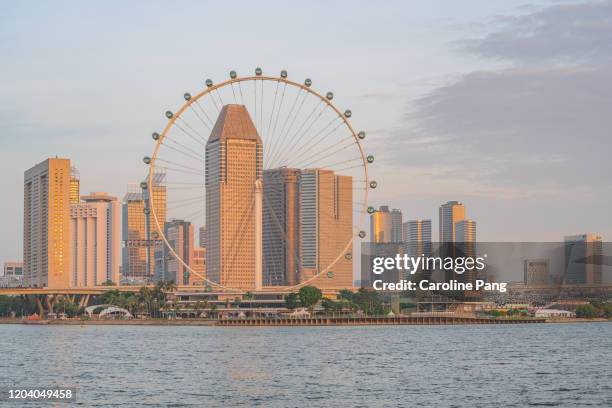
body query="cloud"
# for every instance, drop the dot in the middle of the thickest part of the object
(541, 125)
(560, 33)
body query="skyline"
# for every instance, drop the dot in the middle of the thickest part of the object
(380, 94)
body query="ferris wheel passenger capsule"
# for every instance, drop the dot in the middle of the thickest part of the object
(373, 184)
(144, 185)
(330, 96)
(169, 114)
(283, 74)
(370, 159)
(155, 136)
(258, 71)
(187, 96)
(209, 83)
(371, 210)
(147, 211)
(233, 74)
(361, 135)
(348, 113)
(362, 234)
(348, 256)
(308, 82)
(146, 160)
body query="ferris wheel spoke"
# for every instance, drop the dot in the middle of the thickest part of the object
(199, 173)
(184, 153)
(283, 135)
(219, 95)
(288, 131)
(192, 129)
(180, 165)
(344, 143)
(273, 133)
(190, 203)
(192, 137)
(212, 123)
(300, 132)
(212, 98)
(234, 93)
(319, 137)
(195, 112)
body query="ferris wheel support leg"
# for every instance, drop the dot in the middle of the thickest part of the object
(258, 235)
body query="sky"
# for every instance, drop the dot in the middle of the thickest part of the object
(503, 105)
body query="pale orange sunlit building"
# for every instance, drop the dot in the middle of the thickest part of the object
(234, 164)
(46, 225)
(75, 186)
(326, 212)
(95, 240)
(198, 266)
(141, 236)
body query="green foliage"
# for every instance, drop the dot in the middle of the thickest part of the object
(309, 296)
(605, 308)
(64, 305)
(364, 300)
(587, 311)
(291, 301)
(17, 305)
(109, 283)
(330, 306)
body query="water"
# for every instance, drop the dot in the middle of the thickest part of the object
(562, 365)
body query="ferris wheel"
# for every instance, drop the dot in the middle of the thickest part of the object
(301, 130)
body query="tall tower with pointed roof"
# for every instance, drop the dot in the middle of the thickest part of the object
(233, 166)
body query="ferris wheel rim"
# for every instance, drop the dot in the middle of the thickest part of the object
(209, 89)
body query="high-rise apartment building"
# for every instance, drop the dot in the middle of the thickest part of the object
(396, 225)
(169, 267)
(75, 185)
(583, 259)
(46, 224)
(141, 236)
(95, 240)
(135, 264)
(281, 227)
(417, 237)
(234, 172)
(450, 214)
(381, 225)
(326, 208)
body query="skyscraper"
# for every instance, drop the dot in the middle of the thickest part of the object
(179, 234)
(326, 208)
(46, 224)
(381, 225)
(396, 225)
(465, 246)
(198, 266)
(583, 259)
(234, 167)
(134, 234)
(449, 215)
(75, 185)
(141, 235)
(281, 226)
(417, 237)
(95, 240)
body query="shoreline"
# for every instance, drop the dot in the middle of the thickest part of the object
(379, 321)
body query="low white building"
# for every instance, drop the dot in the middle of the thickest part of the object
(552, 313)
